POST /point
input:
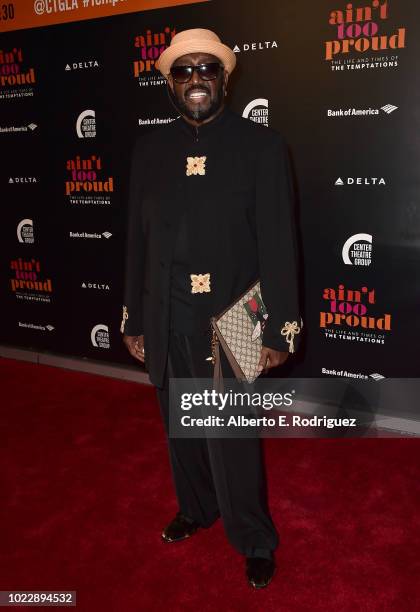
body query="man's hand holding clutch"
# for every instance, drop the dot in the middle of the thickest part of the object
(270, 358)
(135, 346)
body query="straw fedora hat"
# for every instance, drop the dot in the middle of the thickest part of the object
(196, 40)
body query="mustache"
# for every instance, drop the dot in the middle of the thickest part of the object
(196, 88)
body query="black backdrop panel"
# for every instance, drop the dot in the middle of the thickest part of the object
(352, 124)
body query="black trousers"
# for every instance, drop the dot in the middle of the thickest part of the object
(223, 477)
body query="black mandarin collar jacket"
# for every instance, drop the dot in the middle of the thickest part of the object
(239, 223)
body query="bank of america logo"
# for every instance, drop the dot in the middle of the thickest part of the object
(339, 181)
(50, 327)
(376, 376)
(106, 234)
(389, 108)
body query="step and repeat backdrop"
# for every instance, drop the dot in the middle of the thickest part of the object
(338, 79)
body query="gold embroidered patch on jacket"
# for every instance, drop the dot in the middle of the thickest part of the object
(290, 330)
(124, 319)
(196, 165)
(200, 283)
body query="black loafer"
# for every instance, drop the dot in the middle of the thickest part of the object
(259, 571)
(180, 528)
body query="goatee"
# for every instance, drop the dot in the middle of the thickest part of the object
(200, 114)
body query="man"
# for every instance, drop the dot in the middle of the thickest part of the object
(209, 213)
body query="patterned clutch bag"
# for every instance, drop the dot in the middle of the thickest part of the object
(238, 331)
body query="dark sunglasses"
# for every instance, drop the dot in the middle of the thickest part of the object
(207, 72)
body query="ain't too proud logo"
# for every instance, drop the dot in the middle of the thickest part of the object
(348, 315)
(28, 283)
(85, 182)
(16, 79)
(358, 29)
(149, 48)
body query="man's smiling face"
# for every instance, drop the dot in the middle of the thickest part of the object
(199, 99)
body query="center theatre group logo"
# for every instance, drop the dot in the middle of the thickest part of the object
(27, 282)
(257, 111)
(150, 45)
(15, 78)
(86, 185)
(347, 316)
(25, 231)
(357, 30)
(99, 336)
(86, 124)
(357, 250)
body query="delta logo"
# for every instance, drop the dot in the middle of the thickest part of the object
(28, 282)
(81, 65)
(261, 45)
(85, 176)
(349, 310)
(357, 30)
(12, 70)
(149, 47)
(367, 181)
(14, 180)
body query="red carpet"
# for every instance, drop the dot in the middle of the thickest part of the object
(86, 489)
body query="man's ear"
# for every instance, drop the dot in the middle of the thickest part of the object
(170, 83)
